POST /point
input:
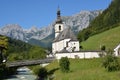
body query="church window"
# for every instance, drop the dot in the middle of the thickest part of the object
(59, 27)
(66, 44)
(73, 49)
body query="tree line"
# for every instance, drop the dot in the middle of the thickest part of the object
(109, 18)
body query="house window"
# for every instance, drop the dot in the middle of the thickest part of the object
(59, 27)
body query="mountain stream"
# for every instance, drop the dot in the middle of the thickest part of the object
(23, 73)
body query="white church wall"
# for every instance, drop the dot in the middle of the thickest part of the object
(80, 55)
(58, 46)
(53, 48)
(74, 44)
(65, 42)
(56, 34)
(57, 30)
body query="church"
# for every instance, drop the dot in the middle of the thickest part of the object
(65, 41)
(66, 44)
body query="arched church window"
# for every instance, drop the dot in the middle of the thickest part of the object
(59, 27)
(66, 44)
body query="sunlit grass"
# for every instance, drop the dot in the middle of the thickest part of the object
(110, 39)
(84, 69)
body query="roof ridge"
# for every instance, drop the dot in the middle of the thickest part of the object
(65, 34)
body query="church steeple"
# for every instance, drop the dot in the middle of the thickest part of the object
(59, 20)
(59, 24)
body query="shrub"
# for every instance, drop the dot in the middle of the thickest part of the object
(64, 64)
(81, 47)
(111, 62)
(103, 48)
(41, 72)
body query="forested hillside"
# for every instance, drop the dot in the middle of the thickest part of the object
(18, 50)
(108, 19)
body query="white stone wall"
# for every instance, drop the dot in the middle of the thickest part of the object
(58, 46)
(80, 55)
(65, 42)
(73, 45)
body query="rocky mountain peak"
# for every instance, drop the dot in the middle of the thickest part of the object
(13, 30)
(32, 29)
(10, 27)
(77, 22)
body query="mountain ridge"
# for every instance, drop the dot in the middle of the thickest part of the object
(77, 22)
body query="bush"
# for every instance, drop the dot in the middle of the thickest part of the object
(64, 64)
(41, 72)
(103, 48)
(111, 62)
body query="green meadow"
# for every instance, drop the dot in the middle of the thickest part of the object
(110, 39)
(83, 69)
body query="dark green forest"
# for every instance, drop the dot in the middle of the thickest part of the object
(18, 50)
(109, 18)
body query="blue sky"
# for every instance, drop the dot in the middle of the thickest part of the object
(41, 13)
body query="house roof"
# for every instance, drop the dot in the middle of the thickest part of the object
(66, 34)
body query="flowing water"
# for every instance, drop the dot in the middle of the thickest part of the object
(23, 74)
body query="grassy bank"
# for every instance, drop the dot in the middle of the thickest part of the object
(88, 69)
(110, 39)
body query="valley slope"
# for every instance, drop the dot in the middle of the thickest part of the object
(104, 30)
(110, 39)
(109, 19)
